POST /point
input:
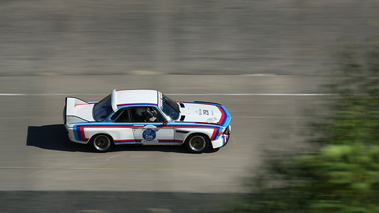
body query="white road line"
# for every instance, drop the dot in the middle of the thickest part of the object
(178, 94)
(121, 168)
(259, 74)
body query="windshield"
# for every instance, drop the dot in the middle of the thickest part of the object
(170, 108)
(102, 109)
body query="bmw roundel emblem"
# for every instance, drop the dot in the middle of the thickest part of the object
(149, 134)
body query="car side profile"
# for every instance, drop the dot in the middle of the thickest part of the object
(146, 117)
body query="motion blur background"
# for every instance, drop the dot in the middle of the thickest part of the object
(287, 37)
(263, 60)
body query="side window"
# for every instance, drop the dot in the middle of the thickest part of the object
(146, 114)
(121, 116)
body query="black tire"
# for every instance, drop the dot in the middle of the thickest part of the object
(102, 143)
(197, 143)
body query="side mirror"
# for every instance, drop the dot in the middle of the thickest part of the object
(164, 123)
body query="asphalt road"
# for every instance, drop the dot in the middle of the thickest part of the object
(287, 37)
(267, 112)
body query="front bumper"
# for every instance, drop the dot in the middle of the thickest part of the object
(223, 139)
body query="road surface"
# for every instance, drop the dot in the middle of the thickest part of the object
(267, 112)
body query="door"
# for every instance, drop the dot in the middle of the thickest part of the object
(149, 126)
(154, 134)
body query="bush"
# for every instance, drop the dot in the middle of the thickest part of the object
(341, 173)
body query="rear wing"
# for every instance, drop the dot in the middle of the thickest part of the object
(69, 113)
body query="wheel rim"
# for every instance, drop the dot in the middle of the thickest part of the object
(102, 143)
(197, 143)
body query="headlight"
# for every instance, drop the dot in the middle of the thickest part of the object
(227, 130)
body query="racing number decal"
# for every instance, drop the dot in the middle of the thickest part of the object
(204, 112)
(149, 135)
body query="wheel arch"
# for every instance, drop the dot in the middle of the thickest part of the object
(97, 134)
(197, 133)
(184, 133)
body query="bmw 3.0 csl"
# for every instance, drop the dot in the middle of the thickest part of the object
(146, 117)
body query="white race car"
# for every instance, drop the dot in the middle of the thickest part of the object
(146, 117)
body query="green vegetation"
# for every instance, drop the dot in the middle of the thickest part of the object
(341, 172)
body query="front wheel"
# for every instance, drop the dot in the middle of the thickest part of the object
(102, 143)
(197, 143)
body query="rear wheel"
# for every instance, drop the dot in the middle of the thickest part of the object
(102, 143)
(197, 143)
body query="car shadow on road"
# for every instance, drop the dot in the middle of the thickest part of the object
(54, 137)
(147, 148)
(156, 148)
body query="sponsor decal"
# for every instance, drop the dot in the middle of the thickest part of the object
(204, 112)
(210, 120)
(149, 135)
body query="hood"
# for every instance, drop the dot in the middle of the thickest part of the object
(204, 113)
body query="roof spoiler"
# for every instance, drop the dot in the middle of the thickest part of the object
(114, 100)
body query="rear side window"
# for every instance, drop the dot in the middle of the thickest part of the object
(121, 116)
(102, 109)
(146, 114)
